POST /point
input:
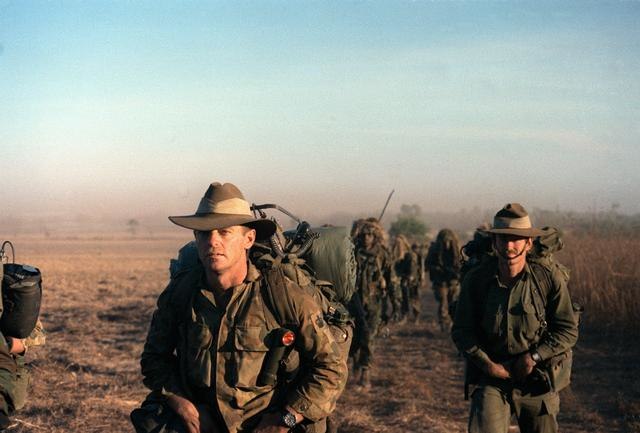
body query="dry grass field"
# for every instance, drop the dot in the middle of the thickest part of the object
(100, 293)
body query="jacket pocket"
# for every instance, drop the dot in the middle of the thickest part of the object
(199, 340)
(560, 370)
(530, 321)
(249, 355)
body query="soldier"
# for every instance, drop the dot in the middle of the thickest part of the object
(13, 378)
(210, 335)
(408, 271)
(14, 373)
(374, 274)
(515, 324)
(443, 261)
(415, 282)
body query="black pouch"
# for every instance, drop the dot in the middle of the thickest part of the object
(21, 297)
(537, 383)
(156, 418)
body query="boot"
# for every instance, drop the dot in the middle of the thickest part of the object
(365, 380)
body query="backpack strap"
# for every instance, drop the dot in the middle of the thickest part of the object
(277, 297)
(541, 280)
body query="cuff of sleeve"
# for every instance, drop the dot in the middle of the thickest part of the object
(545, 352)
(172, 388)
(305, 407)
(478, 356)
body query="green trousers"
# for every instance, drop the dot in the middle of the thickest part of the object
(492, 407)
(446, 292)
(14, 379)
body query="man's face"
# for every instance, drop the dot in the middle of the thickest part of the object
(367, 239)
(224, 249)
(511, 247)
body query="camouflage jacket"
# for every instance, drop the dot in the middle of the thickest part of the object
(443, 263)
(504, 322)
(220, 352)
(408, 268)
(375, 274)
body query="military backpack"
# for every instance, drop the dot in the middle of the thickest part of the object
(21, 295)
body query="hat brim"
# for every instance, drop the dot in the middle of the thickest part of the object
(525, 233)
(206, 222)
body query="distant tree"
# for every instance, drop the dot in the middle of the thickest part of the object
(132, 226)
(409, 222)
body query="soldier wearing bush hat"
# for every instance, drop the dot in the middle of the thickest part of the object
(210, 337)
(516, 326)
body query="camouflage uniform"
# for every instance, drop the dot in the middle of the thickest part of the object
(502, 325)
(408, 270)
(374, 274)
(443, 261)
(219, 354)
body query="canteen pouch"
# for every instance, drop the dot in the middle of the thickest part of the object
(538, 382)
(21, 298)
(559, 369)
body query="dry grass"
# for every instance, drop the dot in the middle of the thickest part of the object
(605, 278)
(100, 293)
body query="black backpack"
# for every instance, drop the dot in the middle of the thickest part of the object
(21, 296)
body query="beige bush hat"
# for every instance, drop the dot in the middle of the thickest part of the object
(224, 206)
(513, 219)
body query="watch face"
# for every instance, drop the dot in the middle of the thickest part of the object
(289, 419)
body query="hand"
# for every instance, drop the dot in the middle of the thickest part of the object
(196, 420)
(494, 369)
(17, 345)
(270, 423)
(522, 367)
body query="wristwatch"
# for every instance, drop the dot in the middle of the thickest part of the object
(536, 356)
(288, 419)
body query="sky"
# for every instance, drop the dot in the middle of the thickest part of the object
(130, 109)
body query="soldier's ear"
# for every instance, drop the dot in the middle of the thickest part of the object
(249, 238)
(529, 243)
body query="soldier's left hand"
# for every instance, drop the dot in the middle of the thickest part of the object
(270, 423)
(522, 367)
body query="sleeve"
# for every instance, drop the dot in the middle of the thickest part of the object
(463, 331)
(324, 372)
(562, 324)
(159, 363)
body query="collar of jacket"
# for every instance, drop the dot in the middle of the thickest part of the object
(524, 275)
(253, 274)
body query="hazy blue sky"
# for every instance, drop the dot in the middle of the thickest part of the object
(132, 108)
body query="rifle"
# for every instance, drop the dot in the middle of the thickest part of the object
(385, 205)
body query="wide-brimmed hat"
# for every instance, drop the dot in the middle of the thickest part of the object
(513, 219)
(224, 206)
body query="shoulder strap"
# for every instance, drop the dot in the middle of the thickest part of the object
(277, 297)
(541, 282)
(182, 293)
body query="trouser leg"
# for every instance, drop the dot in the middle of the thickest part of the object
(405, 298)
(23, 379)
(452, 297)
(8, 378)
(441, 293)
(490, 411)
(369, 334)
(537, 414)
(414, 295)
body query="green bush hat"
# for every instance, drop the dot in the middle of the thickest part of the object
(224, 206)
(513, 219)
